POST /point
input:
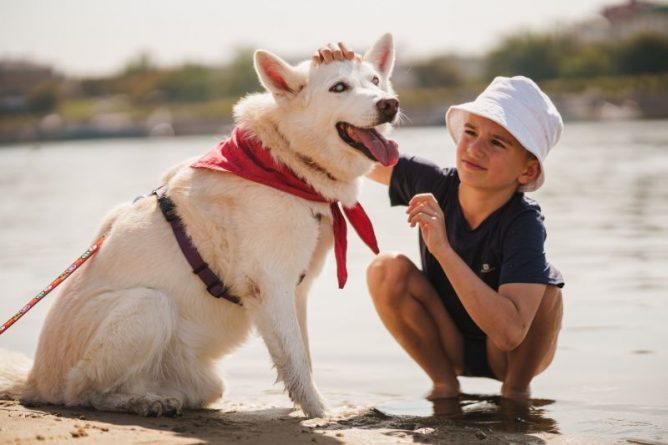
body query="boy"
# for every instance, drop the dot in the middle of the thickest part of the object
(486, 302)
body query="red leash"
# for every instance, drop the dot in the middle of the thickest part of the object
(74, 266)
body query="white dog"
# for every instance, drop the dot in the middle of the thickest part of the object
(135, 330)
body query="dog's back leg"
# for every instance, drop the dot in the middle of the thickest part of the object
(128, 364)
(275, 316)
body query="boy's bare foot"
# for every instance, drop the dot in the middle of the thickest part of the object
(508, 392)
(449, 407)
(443, 391)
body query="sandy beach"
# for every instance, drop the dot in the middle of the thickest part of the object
(249, 424)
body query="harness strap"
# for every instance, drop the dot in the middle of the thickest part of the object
(200, 268)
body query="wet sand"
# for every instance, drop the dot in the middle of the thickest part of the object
(254, 424)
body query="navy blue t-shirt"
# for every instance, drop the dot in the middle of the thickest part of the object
(507, 247)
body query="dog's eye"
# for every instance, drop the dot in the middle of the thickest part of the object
(338, 87)
(375, 80)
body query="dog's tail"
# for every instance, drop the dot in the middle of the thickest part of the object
(14, 368)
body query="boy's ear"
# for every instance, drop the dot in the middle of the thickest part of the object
(530, 173)
(381, 55)
(276, 75)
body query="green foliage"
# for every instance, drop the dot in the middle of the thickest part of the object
(196, 83)
(588, 61)
(93, 87)
(144, 83)
(140, 64)
(189, 83)
(238, 77)
(563, 60)
(140, 86)
(44, 98)
(544, 56)
(643, 54)
(538, 56)
(442, 71)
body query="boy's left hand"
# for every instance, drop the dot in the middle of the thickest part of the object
(423, 209)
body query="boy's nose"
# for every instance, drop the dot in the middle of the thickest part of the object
(476, 147)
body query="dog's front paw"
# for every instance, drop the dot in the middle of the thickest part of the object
(151, 407)
(314, 408)
(172, 407)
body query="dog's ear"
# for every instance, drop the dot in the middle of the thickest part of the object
(381, 55)
(276, 75)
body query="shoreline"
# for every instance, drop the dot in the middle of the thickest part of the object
(245, 423)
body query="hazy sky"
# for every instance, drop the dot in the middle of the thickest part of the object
(95, 37)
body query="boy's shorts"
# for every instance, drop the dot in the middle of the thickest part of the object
(475, 358)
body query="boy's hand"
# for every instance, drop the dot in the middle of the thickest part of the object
(330, 53)
(424, 210)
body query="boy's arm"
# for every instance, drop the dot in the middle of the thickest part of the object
(381, 173)
(505, 316)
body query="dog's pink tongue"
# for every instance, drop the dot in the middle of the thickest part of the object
(385, 151)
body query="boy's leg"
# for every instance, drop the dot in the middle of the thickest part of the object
(412, 311)
(518, 367)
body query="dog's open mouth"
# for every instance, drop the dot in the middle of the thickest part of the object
(369, 142)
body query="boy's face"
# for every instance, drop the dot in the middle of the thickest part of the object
(490, 157)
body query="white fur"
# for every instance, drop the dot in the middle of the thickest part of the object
(134, 330)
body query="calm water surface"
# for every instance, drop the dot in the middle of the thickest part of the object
(606, 207)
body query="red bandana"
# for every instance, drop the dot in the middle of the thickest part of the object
(244, 155)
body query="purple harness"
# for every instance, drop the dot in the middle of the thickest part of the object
(200, 268)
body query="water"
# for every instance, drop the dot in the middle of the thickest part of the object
(606, 203)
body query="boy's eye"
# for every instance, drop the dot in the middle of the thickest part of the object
(498, 143)
(469, 132)
(339, 87)
(375, 80)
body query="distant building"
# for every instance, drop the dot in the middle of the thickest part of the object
(636, 16)
(18, 78)
(618, 22)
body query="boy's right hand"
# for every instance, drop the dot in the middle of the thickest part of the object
(330, 53)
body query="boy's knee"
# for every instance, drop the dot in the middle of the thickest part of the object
(388, 274)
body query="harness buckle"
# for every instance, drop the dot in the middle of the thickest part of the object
(168, 208)
(217, 289)
(199, 269)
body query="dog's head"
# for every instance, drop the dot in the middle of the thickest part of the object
(336, 113)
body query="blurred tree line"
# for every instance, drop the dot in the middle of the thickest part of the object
(545, 56)
(541, 56)
(196, 89)
(144, 82)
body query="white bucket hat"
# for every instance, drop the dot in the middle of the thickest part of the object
(519, 106)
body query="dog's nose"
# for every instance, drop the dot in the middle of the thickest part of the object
(388, 108)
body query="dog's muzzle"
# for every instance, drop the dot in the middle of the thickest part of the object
(387, 110)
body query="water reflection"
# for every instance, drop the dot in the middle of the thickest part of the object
(493, 413)
(507, 415)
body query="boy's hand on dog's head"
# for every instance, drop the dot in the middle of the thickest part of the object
(330, 53)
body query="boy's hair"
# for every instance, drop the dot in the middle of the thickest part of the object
(519, 106)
